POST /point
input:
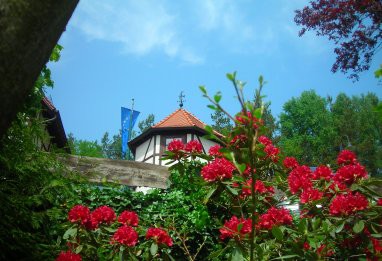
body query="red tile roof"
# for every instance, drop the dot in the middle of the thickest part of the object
(180, 118)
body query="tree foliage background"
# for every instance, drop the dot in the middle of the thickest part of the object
(314, 129)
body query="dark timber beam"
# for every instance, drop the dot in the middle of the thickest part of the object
(29, 30)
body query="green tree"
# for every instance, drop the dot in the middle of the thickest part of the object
(84, 147)
(147, 123)
(222, 123)
(112, 149)
(306, 129)
(359, 128)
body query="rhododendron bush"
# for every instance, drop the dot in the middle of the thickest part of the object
(245, 189)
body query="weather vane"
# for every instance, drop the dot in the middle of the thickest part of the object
(181, 99)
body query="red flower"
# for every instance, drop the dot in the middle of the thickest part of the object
(377, 244)
(348, 174)
(129, 218)
(306, 246)
(238, 140)
(68, 256)
(346, 157)
(265, 140)
(194, 146)
(290, 163)
(322, 172)
(125, 235)
(214, 151)
(274, 217)
(103, 214)
(79, 213)
(346, 204)
(379, 202)
(259, 187)
(159, 236)
(175, 146)
(272, 152)
(231, 228)
(245, 118)
(218, 169)
(299, 179)
(309, 195)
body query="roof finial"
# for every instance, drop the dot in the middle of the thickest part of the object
(181, 99)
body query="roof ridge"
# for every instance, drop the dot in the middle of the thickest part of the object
(160, 122)
(196, 118)
(186, 113)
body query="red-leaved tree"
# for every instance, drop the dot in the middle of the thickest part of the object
(353, 25)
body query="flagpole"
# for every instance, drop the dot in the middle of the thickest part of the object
(130, 128)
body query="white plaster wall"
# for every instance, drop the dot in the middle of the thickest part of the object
(188, 138)
(141, 150)
(207, 144)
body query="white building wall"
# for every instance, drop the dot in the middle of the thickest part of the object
(141, 150)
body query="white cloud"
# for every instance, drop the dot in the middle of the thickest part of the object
(140, 26)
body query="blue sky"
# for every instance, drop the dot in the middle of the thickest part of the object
(151, 50)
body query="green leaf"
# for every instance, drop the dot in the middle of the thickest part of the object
(303, 226)
(340, 227)
(209, 194)
(277, 233)
(231, 76)
(109, 229)
(232, 190)
(154, 249)
(203, 89)
(237, 255)
(285, 257)
(78, 249)
(71, 232)
(212, 107)
(217, 97)
(359, 226)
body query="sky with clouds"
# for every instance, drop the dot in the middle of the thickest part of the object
(151, 50)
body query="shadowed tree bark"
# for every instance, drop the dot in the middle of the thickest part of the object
(29, 30)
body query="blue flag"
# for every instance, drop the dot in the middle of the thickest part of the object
(128, 119)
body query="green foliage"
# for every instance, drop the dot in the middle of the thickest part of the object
(315, 129)
(307, 130)
(32, 188)
(222, 123)
(112, 149)
(84, 147)
(146, 123)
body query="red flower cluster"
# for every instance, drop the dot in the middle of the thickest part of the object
(346, 204)
(68, 256)
(290, 163)
(218, 169)
(159, 236)
(214, 151)
(125, 235)
(129, 218)
(231, 228)
(300, 179)
(245, 118)
(309, 195)
(271, 151)
(346, 157)
(175, 146)
(103, 214)
(259, 187)
(79, 213)
(322, 172)
(348, 174)
(238, 141)
(194, 146)
(379, 202)
(274, 217)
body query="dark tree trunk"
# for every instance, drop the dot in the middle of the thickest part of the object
(29, 30)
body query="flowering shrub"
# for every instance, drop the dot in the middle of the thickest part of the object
(245, 192)
(106, 236)
(256, 184)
